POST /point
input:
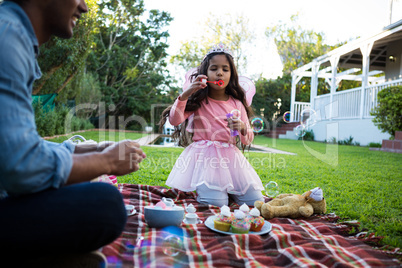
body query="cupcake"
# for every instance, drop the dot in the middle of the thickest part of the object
(245, 209)
(223, 221)
(256, 221)
(240, 225)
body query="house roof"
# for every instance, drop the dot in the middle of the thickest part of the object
(351, 56)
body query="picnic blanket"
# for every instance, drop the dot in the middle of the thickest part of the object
(318, 241)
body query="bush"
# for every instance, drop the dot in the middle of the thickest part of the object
(309, 136)
(388, 113)
(375, 145)
(80, 124)
(51, 122)
(348, 141)
(331, 140)
(45, 119)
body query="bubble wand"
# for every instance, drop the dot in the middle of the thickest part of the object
(219, 83)
(233, 114)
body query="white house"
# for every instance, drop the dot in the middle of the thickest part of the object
(168, 129)
(375, 61)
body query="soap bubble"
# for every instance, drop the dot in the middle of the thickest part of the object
(300, 131)
(235, 113)
(308, 118)
(172, 245)
(271, 189)
(257, 124)
(286, 117)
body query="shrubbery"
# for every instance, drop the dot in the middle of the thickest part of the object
(51, 122)
(347, 141)
(309, 136)
(388, 113)
(375, 145)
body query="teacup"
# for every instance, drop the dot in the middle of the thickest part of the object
(191, 218)
(130, 209)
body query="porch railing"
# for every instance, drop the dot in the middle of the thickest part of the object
(297, 109)
(345, 104)
(370, 95)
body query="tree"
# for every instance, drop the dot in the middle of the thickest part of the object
(61, 60)
(129, 55)
(233, 31)
(296, 46)
(268, 94)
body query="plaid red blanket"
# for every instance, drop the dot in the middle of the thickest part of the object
(312, 242)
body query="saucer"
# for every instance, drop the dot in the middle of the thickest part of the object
(132, 213)
(198, 221)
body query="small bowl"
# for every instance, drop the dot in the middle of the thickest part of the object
(159, 218)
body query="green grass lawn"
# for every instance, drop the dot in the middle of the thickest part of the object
(358, 184)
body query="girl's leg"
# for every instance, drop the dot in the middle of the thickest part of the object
(212, 197)
(249, 197)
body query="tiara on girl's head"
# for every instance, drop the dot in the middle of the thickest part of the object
(218, 48)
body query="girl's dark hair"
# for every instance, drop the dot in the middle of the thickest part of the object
(194, 101)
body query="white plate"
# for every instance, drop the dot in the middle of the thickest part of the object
(266, 228)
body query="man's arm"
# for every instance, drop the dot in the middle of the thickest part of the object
(119, 159)
(91, 148)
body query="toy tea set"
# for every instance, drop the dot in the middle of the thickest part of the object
(243, 220)
(166, 213)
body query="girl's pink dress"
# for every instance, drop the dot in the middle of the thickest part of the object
(213, 158)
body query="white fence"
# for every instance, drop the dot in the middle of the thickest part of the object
(345, 104)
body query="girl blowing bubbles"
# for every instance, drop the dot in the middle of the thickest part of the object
(213, 165)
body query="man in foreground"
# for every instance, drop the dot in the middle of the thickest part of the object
(49, 212)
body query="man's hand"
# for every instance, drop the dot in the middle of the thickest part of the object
(124, 157)
(116, 159)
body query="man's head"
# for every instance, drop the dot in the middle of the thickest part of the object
(53, 17)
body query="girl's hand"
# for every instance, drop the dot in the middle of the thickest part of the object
(237, 124)
(194, 87)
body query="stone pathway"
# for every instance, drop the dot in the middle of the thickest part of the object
(147, 139)
(262, 149)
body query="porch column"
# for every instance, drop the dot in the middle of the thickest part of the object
(365, 50)
(295, 80)
(293, 97)
(334, 65)
(314, 83)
